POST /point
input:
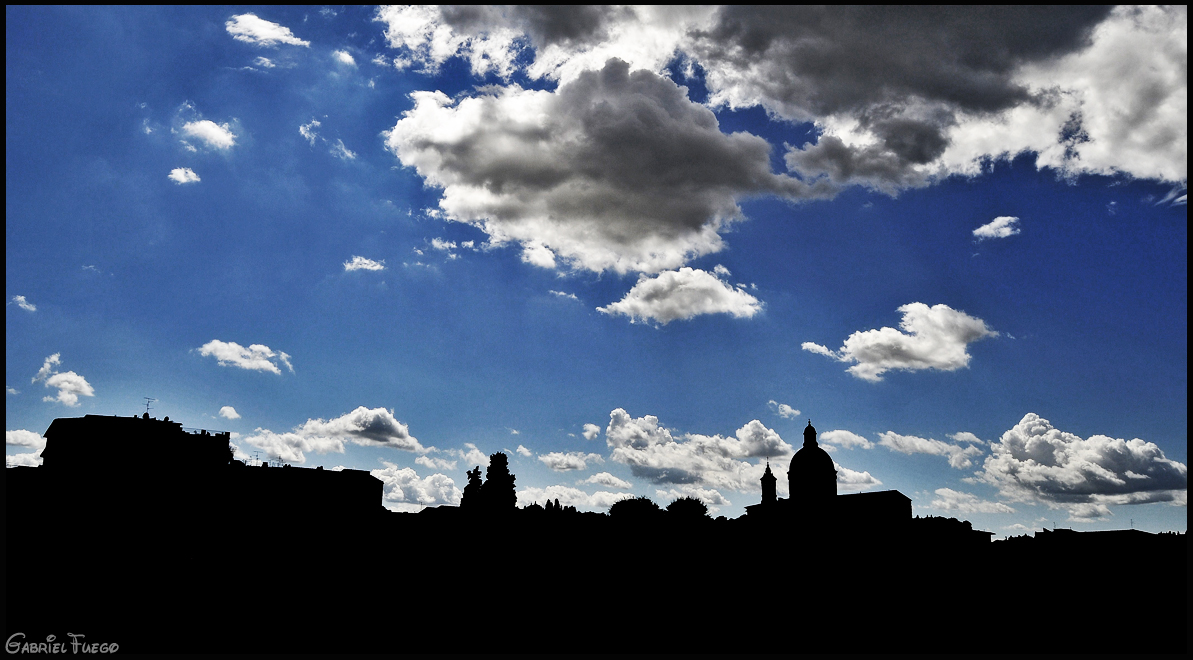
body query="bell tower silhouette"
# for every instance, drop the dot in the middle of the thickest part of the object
(769, 494)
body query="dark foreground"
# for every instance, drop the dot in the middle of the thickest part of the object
(165, 581)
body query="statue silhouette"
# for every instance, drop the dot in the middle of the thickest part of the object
(471, 499)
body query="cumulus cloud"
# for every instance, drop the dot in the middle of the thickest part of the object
(405, 491)
(523, 451)
(1000, 227)
(905, 97)
(783, 410)
(615, 170)
(682, 294)
(24, 304)
(1036, 462)
(711, 497)
(591, 431)
(264, 63)
(845, 439)
(69, 384)
(344, 57)
(572, 460)
(211, 134)
(966, 436)
(364, 426)
(902, 97)
(653, 453)
(959, 457)
(607, 480)
(853, 481)
(931, 338)
(181, 175)
(260, 32)
(361, 263)
(27, 439)
(257, 357)
(472, 455)
(948, 499)
(569, 496)
(228, 412)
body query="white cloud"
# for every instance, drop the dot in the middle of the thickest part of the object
(361, 263)
(228, 412)
(344, 57)
(216, 136)
(364, 426)
(435, 463)
(442, 245)
(572, 460)
(257, 357)
(783, 410)
(308, 131)
(852, 481)
(1000, 227)
(260, 32)
(653, 453)
(615, 170)
(1036, 462)
(69, 384)
(959, 457)
(591, 431)
(23, 438)
(711, 497)
(966, 436)
(948, 499)
(340, 151)
(523, 451)
(181, 175)
(24, 304)
(404, 490)
(561, 294)
(569, 496)
(933, 338)
(9, 390)
(473, 455)
(607, 480)
(682, 294)
(845, 439)
(264, 63)
(423, 38)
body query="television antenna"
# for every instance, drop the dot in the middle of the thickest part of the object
(148, 400)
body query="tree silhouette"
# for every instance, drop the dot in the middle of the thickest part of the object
(498, 492)
(636, 508)
(687, 508)
(472, 492)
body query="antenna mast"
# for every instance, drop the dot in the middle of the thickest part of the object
(148, 400)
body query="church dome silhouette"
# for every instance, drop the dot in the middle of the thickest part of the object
(813, 475)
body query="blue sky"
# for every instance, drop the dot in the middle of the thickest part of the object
(634, 248)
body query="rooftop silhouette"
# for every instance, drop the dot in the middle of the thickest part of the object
(166, 543)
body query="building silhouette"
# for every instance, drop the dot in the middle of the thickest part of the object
(142, 467)
(813, 500)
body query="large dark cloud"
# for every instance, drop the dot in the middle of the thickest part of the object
(901, 73)
(830, 59)
(616, 170)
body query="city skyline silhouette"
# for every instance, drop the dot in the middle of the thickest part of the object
(425, 312)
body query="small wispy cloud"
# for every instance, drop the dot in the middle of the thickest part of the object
(361, 263)
(182, 175)
(344, 57)
(260, 32)
(256, 357)
(342, 152)
(23, 303)
(1000, 227)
